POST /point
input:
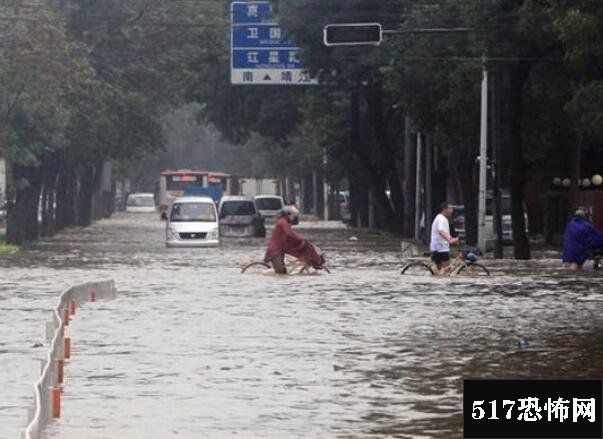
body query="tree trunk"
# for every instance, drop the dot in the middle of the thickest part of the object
(387, 168)
(409, 179)
(44, 211)
(85, 196)
(337, 203)
(517, 76)
(397, 199)
(315, 193)
(467, 181)
(575, 175)
(66, 191)
(48, 202)
(308, 198)
(22, 212)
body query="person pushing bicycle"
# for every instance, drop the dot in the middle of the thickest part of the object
(285, 241)
(581, 239)
(441, 239)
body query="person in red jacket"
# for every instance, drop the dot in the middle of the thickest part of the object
(285, 241)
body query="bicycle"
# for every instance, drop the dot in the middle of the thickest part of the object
(294, 266)
(597, 256)
(464, 263)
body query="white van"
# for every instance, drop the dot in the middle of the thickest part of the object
(269, 205)
(239, 217)
(192, 222)
(140, 203)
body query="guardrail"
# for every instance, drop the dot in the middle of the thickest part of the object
(47, 390)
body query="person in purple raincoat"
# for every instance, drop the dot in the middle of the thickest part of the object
(580, 240)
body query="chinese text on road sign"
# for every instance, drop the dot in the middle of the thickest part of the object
(260, 52)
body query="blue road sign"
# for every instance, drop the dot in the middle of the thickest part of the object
(259, 35)
(260, 52)
(251, 12)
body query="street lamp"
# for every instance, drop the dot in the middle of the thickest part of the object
(557, 181)
(597, 180)
(566, 182)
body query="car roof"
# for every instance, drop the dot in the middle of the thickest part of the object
(141, 194)
(269, 196)
(193, 200)
(236, 198)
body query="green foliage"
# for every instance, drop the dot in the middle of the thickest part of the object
(88, 80)
(586, 108)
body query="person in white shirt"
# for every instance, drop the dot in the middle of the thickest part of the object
(441, 238)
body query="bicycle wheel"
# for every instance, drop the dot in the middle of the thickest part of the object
(417, 269)
(308, 269)
(473, 269)
(255, 267)
(304, 269)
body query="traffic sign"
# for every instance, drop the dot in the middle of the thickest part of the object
(260, 52)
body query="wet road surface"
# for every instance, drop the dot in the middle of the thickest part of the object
(191, 348)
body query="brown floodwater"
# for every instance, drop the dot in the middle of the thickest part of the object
(192, 348)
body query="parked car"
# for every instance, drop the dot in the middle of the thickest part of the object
(192, 222)
(140, 203)
(269, 206)
(239, 216)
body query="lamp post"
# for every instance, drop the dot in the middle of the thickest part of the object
(483, 162)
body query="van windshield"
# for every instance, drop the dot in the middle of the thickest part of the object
(141, 201)
(269, 203)
(238, 208)
(193, 212)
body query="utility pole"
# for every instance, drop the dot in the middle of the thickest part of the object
(483, 161)
(418, 188)
(428, 183)
(325, 187)
(495, 153)
(315, 194)
(409, 182)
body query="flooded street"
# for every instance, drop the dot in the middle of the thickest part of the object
(192, 348)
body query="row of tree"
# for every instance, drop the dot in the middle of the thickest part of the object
(84, 81)
(544, 60)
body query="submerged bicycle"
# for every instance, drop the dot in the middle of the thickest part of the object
(294, 266)
(465, 264)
